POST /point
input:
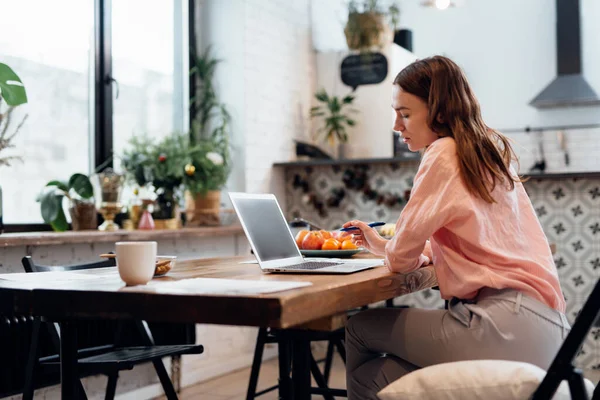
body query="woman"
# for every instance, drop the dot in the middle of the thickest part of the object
(470, 216)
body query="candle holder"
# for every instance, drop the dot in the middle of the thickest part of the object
(110, 186)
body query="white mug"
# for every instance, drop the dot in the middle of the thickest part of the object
(136, 261)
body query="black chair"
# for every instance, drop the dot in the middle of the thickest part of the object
(562, 366)
(284, 340)
(106, 359)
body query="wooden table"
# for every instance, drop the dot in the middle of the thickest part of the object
(110, 299)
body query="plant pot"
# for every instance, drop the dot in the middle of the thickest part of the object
(83, 216)
(164, 206)
(202, 209)
(366, 30)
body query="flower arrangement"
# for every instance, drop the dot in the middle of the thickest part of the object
(158, 166)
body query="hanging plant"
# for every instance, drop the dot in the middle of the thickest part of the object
(369, 23)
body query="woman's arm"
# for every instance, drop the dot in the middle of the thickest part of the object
(434, 201)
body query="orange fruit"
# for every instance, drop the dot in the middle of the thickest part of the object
(348, 245)
(300, 237)
(330, 244)
(326, 234)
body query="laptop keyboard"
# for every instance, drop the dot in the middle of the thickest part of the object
(313, 265)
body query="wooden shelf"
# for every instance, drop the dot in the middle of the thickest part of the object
(367, 161)
(73, 237)
(349, 161)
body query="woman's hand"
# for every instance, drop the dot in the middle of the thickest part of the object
(367, 237)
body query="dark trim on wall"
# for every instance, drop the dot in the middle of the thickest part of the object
(103, 84)
(18, 228)
(193, 48)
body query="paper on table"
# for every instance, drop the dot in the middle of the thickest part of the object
(51, 276)
(372, 261)
(360, 261)
(224, 286)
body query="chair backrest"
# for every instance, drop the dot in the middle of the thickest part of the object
(30, 266)
(562, 366)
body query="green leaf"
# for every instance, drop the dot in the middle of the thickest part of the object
(81, 184)
(60, 223)
(11, 87)
(64, 186)
(348, 99)
(50, 204)
(321, 95)
(350, 122)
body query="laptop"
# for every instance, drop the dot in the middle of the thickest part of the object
(273, 243)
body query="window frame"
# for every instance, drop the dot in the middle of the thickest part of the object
(102, 135)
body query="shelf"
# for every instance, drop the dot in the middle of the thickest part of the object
(349, 161)
(73, 237)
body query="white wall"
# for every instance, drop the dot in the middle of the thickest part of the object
(279, 75)
(266, 79)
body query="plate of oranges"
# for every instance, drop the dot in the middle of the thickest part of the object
(326, 244)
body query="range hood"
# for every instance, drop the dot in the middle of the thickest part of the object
(570, 87)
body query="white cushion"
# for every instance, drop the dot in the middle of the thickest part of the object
(478, 379)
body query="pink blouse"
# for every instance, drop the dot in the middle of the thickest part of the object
(473, 244)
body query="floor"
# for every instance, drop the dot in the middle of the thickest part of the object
(233, 386)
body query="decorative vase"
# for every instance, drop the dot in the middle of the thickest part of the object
(203, 209)
(146, 221)
(110, 185)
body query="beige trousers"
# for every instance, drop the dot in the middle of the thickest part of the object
(384, 344)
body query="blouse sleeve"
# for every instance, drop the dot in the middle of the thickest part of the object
(434, 200)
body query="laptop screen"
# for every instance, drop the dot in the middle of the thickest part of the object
(266, 228)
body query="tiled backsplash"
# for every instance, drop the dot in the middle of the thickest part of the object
(568, 209)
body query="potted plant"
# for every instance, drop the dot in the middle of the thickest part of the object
(209, 161)
(333, 111)
(368, 26)
(13, 93)
(79, 191)
(161, 166)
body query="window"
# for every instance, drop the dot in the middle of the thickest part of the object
(52, 53)
(57, 55)
(148, 64)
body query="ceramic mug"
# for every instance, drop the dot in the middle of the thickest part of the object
(136, 261)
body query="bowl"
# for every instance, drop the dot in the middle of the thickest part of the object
(162, 266)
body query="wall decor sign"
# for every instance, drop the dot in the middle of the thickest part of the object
(364, 69)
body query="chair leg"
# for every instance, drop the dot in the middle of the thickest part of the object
(161, 371)
(256, 362)
(341, 348)
(111, 386)
(28, 389)
(285, 367)
(319, 379)
(328, 361)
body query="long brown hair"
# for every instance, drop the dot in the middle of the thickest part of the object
(484, 154)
